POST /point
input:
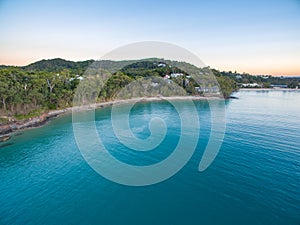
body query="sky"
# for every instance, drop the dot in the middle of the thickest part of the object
(257, 37)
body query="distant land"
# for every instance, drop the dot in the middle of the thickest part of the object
(69, 62)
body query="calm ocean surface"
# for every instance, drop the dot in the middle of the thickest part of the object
(255, 178)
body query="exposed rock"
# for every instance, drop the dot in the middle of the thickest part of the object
(11, 126)
(4, 138)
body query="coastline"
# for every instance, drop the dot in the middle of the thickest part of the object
(269, 89)
(9, 128)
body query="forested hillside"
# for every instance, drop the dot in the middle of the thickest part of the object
(50, 84)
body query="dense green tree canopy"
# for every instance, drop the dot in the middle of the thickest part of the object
(51, 84)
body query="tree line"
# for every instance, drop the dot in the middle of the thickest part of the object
(51, 84)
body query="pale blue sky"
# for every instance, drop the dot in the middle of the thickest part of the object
(260, 37)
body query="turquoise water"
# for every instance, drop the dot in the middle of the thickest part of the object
(255, 178)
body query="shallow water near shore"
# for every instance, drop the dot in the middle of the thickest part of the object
(254, 179)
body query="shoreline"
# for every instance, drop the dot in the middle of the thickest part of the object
(11, 127)
(269, 89)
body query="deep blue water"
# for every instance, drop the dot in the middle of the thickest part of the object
(255, 179)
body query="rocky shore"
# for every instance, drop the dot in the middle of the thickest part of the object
(14, 125)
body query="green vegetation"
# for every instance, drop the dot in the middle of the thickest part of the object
(3, 120)
(226, 83)
(25, 91)
(264, 81)
(33, 113)
(50, 84)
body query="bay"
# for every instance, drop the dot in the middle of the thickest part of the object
(255, 178)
